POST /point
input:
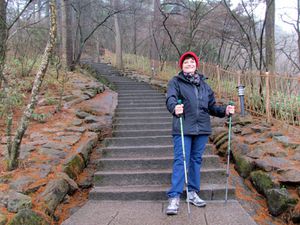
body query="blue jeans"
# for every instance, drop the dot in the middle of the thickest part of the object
(194, 149)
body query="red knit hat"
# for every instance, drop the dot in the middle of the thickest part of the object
(186, 54)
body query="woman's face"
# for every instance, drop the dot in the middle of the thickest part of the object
(189, 65)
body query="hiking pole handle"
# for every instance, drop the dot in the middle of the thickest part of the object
(179, 102)
(231, 110)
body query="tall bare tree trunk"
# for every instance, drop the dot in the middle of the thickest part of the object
(67, 40)
(119, 58)
(3, 37)
(298, 29)
(14, 151)
(154, 30)
(270, 36)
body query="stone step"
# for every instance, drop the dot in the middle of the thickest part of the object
(149, 163)
(142, 109)
(141, 104)
(142, 114)
(141, 101)
(139, 133)
(156, 192)
(137, 97)
(138, 141)
(141, 93)
(142, 126)
(135, 88)
(144, 151)
(152, 177)
(133, 120)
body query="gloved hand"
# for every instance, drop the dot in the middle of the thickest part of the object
(230, 110)
(179, 109)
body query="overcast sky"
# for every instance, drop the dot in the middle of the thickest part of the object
(285, 8)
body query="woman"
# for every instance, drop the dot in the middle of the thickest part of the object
(198, 103)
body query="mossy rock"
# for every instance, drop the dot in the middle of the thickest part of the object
(74, 166)
(219, 137)
(243, 165)
(279, 201)
(27, 216)
(221, 141)
(261, 181)
(222, 150)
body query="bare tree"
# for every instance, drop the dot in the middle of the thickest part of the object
(119, 58)
(296, 27)
(270, 36)
(66, 37)
(14, 148)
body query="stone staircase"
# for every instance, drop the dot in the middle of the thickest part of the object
(137, 160)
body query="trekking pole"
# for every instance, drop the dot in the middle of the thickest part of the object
(184, 160)
(228, 153)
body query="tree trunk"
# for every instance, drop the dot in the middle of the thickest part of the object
(298, 29)
(3, 37)
(14, 151)
(119, 58)
(270, 36)
(66, 38)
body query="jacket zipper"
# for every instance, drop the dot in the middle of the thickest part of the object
(197, 105)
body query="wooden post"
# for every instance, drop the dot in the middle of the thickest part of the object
(218, 82)
(203, 68)
(268, 112)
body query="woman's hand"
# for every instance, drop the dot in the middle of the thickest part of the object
(179, 109)
(230, 110)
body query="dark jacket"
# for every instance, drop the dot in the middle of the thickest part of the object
(199, 103)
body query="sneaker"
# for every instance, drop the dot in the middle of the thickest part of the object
(195, 200)
(173, 206)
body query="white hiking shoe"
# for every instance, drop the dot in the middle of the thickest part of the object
(195, 200)
(173, 206)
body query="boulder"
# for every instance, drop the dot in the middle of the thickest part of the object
(239, 148)
(20, 184)
(77, 122)
(27, 216)
(53, 194)
(3, 199)
(247, 131)
(76, 129)
(68, 139)
(17, 201)
(261, 181)
(291, 176)
(270, 163)
(260, 129)
(220, 136)
(25, 150)
(74, 166)
(81, 114)
(243, 120)
(217, 131)
(243, 164)
(86, 147)
(286, 142)
(72, 184)
(278, 201)
(221, 140)
(57, 146)
(267, 149)
(251, 140)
